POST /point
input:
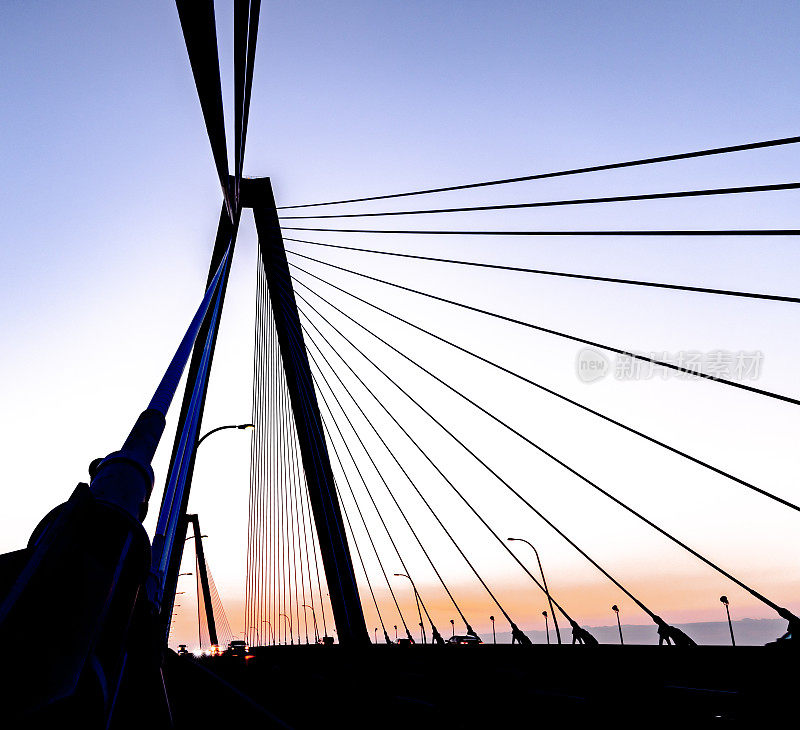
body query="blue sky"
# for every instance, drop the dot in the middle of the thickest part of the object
(110, 204)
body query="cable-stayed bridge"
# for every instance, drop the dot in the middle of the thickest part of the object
(356, 501)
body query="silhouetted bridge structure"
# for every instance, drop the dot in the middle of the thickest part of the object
(108, 593)
(505, 686)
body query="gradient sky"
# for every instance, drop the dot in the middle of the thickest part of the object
(109, 209)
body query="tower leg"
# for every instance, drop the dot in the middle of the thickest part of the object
(226, 233)
(343, 590)
(204, 584)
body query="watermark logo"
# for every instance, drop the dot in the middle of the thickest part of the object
(741, 365)
(592, 365)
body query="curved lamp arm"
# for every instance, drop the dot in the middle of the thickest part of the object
(241, 427)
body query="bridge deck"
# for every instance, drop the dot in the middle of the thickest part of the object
(492, 686)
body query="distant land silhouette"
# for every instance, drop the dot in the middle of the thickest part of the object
(748, 632)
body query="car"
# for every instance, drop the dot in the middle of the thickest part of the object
(237, 648)
(466, 640)
(182, 650)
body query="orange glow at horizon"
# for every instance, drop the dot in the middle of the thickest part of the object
(678, 599)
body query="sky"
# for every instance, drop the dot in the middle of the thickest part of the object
(109, 209)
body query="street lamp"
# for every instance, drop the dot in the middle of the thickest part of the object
(291, 635)
(314, 616)
(395, 633)
(546, 628)
(544, 583)
(198, 626)
(453, 626)
(376, 636)
(494, 636)
(416, 597)
(724, 602)
(269, 630)
(615, 609)
(241, 427)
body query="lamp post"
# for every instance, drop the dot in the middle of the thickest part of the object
(199, 637)
(395, 633)
(453, 627)
(546, 628)
(270, 636)
(724, 601)
(416, 597)
(544, 584)
(376, 635)
(291, 635)
(615, 609)
(199, 549)
(494, 636)
(314, 616)
(241, 427)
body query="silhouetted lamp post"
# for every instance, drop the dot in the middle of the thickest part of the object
(198, 624)
(314, 616)
(546, 629)
(494, 636)
(270, 637)
(724, 601)
(615, 609)
(453, 627)
(544, 584)
(416, 598)
(395, 633)
(241, 427)
(291, 634)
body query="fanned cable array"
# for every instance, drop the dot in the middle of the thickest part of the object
(393, 447)
(285, 602)
(370, 416)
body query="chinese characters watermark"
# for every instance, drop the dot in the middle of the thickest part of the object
(592, 365)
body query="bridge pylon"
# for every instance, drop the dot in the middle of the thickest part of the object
(205, 586)
(351, 627)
